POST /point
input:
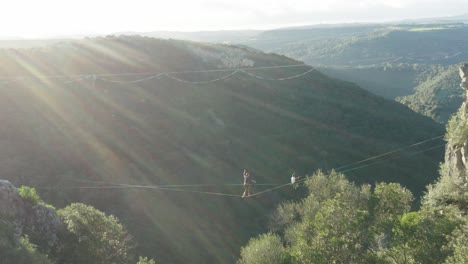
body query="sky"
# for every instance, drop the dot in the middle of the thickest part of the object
(52, 18)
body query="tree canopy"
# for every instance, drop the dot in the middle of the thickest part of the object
(95, 237)
(341, 222)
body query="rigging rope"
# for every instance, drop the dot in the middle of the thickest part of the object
(279, 79)
(200, 82)
(134, 81)
(277, 186)
(167, 74)
(95, 77)
(390, 152)
(17, 78)
(172, 185)
(363, 166)
(135, 186)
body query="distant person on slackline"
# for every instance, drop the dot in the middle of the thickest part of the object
(294, 179)
(247, 183)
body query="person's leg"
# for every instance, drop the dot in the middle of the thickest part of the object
(245, 190)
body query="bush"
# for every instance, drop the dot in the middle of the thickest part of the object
(266, 249)
(96, 237)
(145, 260)
(30, 195)
(457, 129)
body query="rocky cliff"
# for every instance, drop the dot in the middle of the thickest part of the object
(456, 153)
(452, 186)
(38, 221)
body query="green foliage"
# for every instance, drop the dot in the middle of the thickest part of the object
(365, 45)
(414, 65)
(339, 222)
(390, 81)
(448, 191)
(29, 194)
(324, 187)
(336, 220)
(96, 238)
(457, 128)
(431, 90)
(458, 244)
(30, 252)
(437, 92)
(145, 260)
(91, 237)
(421, 236)
(285, 214)
(335, 234)
(265, 249)
(391, 200)
(18, 251)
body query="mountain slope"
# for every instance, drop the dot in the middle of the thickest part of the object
(367, 45)
(63, 132)
(391, 60)
(437, 96)
(430, 90)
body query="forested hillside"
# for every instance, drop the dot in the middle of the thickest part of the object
(389, 59)
(75, 113)
(411, 60)
(431, 90)
(407, 59)
(437, 95)
(365, 45)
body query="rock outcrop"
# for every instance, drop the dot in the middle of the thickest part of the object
(456, 154)
(452, 187)
(39, 222)
(11, 206)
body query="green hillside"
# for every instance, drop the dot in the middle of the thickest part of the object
(365, 45)
(438, 96)
(431, 90)
(410, 61)
(62, 131)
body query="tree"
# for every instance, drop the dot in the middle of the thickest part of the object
(284, 215)
(95, 237)
(389, 201)
(339, 222)
(18, 250)
(458, 244)
(450, 189)
(334, 221)
(145, 260)
(29, 194)
(266, 249)
(420, 236)
(337, 234)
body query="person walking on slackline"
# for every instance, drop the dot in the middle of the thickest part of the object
(247, 183)
(294, 178)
